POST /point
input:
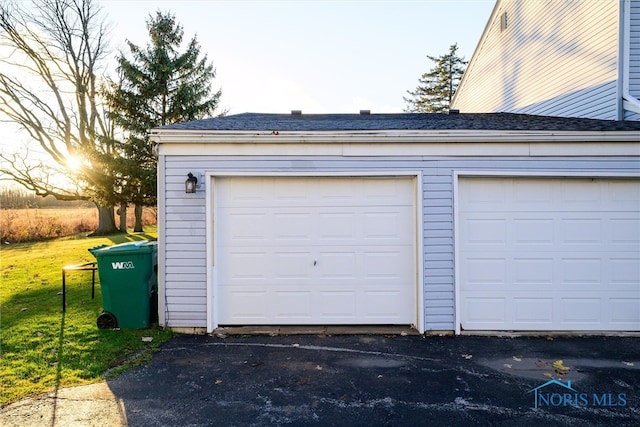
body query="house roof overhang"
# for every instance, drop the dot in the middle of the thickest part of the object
(398, 134)
(181, 136)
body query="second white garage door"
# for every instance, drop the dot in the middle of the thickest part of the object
(549, 254)
(308, 250)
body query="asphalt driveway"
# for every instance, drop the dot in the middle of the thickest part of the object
(374, 380)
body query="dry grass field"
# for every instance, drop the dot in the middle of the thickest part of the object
(32, 225)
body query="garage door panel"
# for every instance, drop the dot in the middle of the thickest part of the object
(323, 264)
(583, 271)
(335, 305)
(581, 309)
(243, 226)
(388, 225)
(532, 309)
(486, 231)
(485, 310)
(289, 228)
(625, 273)
(338, 226)
(324, 191)
(503, 270)
(624, 310)
(243, 303)
(534, 232)
(292, 305)
(386, 263)
(323, 250)
(549, 254)
(581, 231)
(286, 265)
(625, 231)
(534, 271)
(529, 195)
(238, 260)
(359, 225)
(625, 194)
(376, 305)
(334, 264)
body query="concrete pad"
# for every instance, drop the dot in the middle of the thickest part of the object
(317, 330)
(371, 330)
(90, 405)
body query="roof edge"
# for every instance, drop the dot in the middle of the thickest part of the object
(180, 136)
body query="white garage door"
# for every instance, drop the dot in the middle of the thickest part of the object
(549, 254)
(308, 250)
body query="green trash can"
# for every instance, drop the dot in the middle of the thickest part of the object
(128, 280)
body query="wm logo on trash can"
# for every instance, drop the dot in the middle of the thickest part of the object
(122, 265)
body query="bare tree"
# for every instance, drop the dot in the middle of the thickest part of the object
(50, 89)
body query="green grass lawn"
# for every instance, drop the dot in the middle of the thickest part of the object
(42, 348)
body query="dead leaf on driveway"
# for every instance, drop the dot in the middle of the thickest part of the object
(559, 367)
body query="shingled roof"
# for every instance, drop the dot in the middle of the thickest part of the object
(405, 121)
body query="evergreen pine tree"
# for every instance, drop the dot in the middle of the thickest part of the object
(158, 85)
(437, 87)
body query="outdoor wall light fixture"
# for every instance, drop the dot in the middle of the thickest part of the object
(190, 183)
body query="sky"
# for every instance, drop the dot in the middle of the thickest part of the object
(318, 56)
(314, 56)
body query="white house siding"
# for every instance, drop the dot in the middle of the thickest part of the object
(183, 240)
(634, 56)
(556, 57)
(184, 275)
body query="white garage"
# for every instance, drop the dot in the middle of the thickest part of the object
(452, 223)
(545, 254)
(315, 250)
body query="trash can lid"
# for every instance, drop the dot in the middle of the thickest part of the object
(143, 246)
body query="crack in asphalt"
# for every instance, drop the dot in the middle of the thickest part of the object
(328, 349)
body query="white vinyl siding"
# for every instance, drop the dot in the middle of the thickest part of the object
(184, 270)
(634, 57)
(556, 58)
(183, 240)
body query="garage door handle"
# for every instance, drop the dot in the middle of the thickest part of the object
(315, 261)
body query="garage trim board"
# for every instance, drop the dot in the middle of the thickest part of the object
(283, 269)
(579, 252)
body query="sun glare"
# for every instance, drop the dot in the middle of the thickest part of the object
(74, 162)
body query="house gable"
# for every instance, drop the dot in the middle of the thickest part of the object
(557, 58)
